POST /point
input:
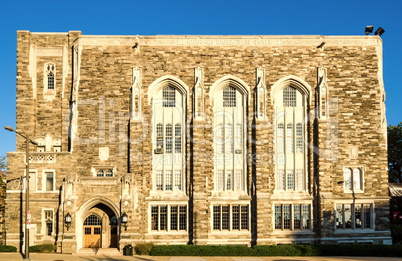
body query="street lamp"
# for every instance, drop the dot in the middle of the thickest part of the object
(27, 214)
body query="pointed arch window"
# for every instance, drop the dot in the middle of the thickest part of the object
(229, 136)
(168, 158)
(49, 77)
(291, 156)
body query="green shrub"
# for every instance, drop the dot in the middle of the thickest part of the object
(5, 248)
(396, 233)
(143, 248)
(209, 250)
(278, 250)
(43, 248)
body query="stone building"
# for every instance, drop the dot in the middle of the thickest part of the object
(200, 140)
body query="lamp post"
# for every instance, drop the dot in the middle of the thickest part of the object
(27, 214)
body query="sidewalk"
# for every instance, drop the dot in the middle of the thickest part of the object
(67, 257)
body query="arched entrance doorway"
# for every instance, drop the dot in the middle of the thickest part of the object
(92, 231)
(100, 227)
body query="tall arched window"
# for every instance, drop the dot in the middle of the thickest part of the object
(290, 152)
(229, 139)
(168, 106)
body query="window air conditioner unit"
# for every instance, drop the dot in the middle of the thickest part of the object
(238, 151)
(158, 150)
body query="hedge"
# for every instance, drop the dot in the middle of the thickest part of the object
(43, 248)
(278, 250)
(5, 248)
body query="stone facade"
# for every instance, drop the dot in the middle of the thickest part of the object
(89, 102)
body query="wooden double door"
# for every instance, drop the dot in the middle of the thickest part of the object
(92, 236)
(93, 228)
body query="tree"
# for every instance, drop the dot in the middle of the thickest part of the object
(395, 152)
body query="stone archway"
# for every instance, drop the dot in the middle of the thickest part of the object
(106, 226)
(98, 226)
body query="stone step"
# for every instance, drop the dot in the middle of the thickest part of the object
(99, 251)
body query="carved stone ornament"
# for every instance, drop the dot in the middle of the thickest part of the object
(198, 93)
(353, 152)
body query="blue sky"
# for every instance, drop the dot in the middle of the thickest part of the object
(203, 17)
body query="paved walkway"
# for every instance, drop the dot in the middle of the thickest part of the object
(67, 257)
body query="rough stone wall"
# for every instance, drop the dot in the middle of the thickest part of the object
(355, 98)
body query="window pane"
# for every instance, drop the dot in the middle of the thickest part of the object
(305, 216)
(159, 180)
(280, 138)
(289, 138)
(163, 217)
(244, 217)
(357, 185)
(183, 218)
(300, 179)
(169, 133)
(280, 179)
(154, 217)
(290, 179)
(229, 97)
(99, 173)
(97, 230)
(49, 228)
(50, 81)
(348, 179)
(173, 217)
(49, 181)
(169, 96)
(177, 180)
(169, 179)
(229, 180)
(358, 216)
(225, 217)
(109, 173)
(239, 180)
(217, 217)
(367, 215)
(348, 215)
(177, 139)
(296, 216)
(299, 138)
(235, 217)
(286, 217)
(278, 217)
(289, 97)
(92, 220)
(159, 136)
(339, 216)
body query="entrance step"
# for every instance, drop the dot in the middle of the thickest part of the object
(99, 251)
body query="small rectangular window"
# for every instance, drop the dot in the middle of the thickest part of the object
(49, 181)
